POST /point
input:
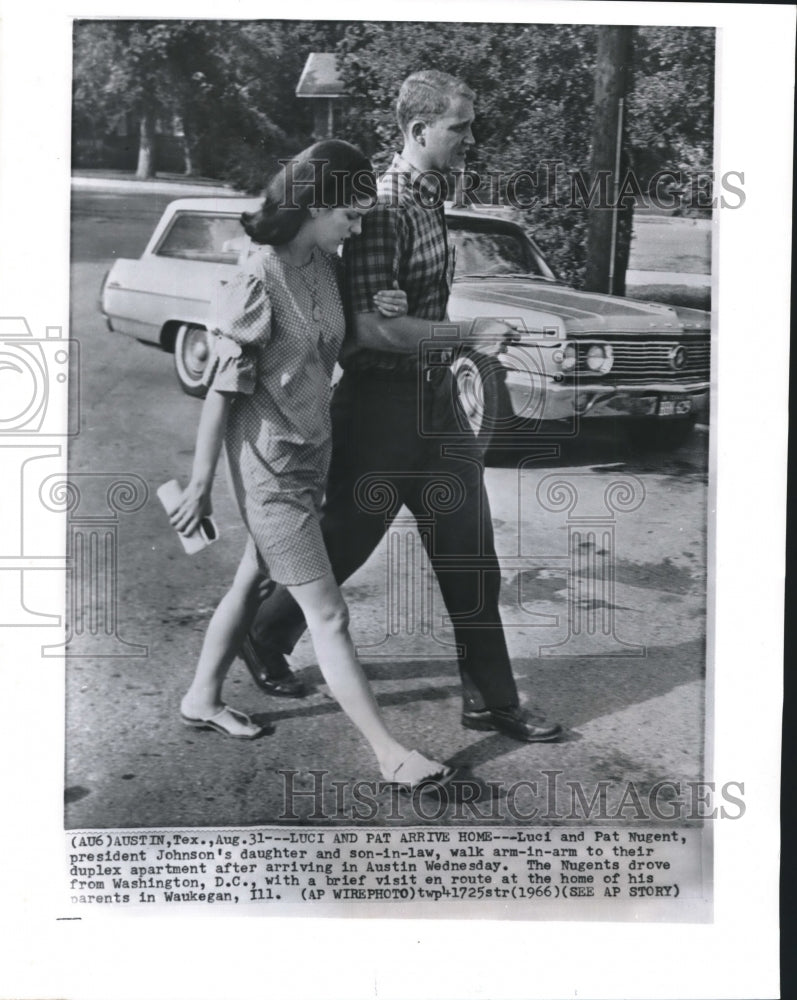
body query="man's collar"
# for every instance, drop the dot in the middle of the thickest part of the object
(427, 183)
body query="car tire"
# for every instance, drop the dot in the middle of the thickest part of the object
(482, 396)
(191, 353)
(657, 435)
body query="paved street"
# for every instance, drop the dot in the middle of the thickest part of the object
(617, 657)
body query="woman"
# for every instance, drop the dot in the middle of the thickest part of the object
(280, 324)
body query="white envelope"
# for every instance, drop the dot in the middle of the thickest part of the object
(169, 495)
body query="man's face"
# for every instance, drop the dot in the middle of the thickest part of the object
(447, 139)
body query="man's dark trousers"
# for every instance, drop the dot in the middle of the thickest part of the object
(395, 429)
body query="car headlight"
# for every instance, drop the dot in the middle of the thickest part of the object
(566, 357)
(600, 358)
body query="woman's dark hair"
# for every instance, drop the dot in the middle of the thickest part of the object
(329, 174)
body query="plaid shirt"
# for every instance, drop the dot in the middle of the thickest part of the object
(403, 240)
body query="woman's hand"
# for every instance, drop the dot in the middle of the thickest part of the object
(391, 302)
(194, 505)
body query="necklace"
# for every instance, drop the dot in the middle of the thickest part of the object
(311, 288)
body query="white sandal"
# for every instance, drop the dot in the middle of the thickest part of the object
(220, 722)
(437, 777)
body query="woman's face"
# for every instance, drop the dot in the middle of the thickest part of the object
(334, 225)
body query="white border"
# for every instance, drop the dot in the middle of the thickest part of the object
(203, 957)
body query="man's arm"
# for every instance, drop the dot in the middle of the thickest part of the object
(373, 263)
(403, 334)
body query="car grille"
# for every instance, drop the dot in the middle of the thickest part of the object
(651, 361)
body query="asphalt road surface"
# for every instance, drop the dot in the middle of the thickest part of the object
(616, 654)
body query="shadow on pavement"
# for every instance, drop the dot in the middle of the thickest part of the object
(600, 444)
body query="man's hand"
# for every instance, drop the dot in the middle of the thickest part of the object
(491, 336)
(193, 506)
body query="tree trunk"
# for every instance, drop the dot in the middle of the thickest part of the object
(190, 159)
(146, 147)
(189, 170)
(609, 227)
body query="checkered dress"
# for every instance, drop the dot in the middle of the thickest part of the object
(403, 244)
(277, 360)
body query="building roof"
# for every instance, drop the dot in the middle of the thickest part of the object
(320, 77)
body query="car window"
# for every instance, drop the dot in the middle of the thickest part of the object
(484, 247)
(203, 236)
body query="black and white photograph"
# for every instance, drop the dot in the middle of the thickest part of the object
(508, 481)
(367, 481)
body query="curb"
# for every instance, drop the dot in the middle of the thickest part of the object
(681, 221)
(689, 279)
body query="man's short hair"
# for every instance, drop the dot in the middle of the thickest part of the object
(427, 95)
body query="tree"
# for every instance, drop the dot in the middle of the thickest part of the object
(671, 104)
(138, 69)
(230, 85)
(555, 140)
(375, 57)
(609, 228)
(258, 118)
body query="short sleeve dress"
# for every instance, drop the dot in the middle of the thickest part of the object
(279, 330)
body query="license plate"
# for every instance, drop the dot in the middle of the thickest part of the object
(674, 407)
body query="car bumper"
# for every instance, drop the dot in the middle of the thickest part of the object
(542, 399)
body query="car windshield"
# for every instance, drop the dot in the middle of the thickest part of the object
(203, 236)
(486, 247)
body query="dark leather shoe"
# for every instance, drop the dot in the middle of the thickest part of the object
(270, 671)
(511, 722)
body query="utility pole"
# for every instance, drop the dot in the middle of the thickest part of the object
(609, 227)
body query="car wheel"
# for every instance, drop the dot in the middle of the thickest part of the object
(191, 353)
(481, 393)
(657, 435)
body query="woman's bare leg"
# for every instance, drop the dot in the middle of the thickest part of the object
(328, 621)
(227, 628)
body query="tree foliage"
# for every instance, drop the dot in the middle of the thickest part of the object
(671, 106)
(144, 70)
(376, 57)
(231, 85)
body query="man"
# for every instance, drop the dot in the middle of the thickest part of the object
(393, 411)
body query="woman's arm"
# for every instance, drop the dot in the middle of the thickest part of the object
(195, 501)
